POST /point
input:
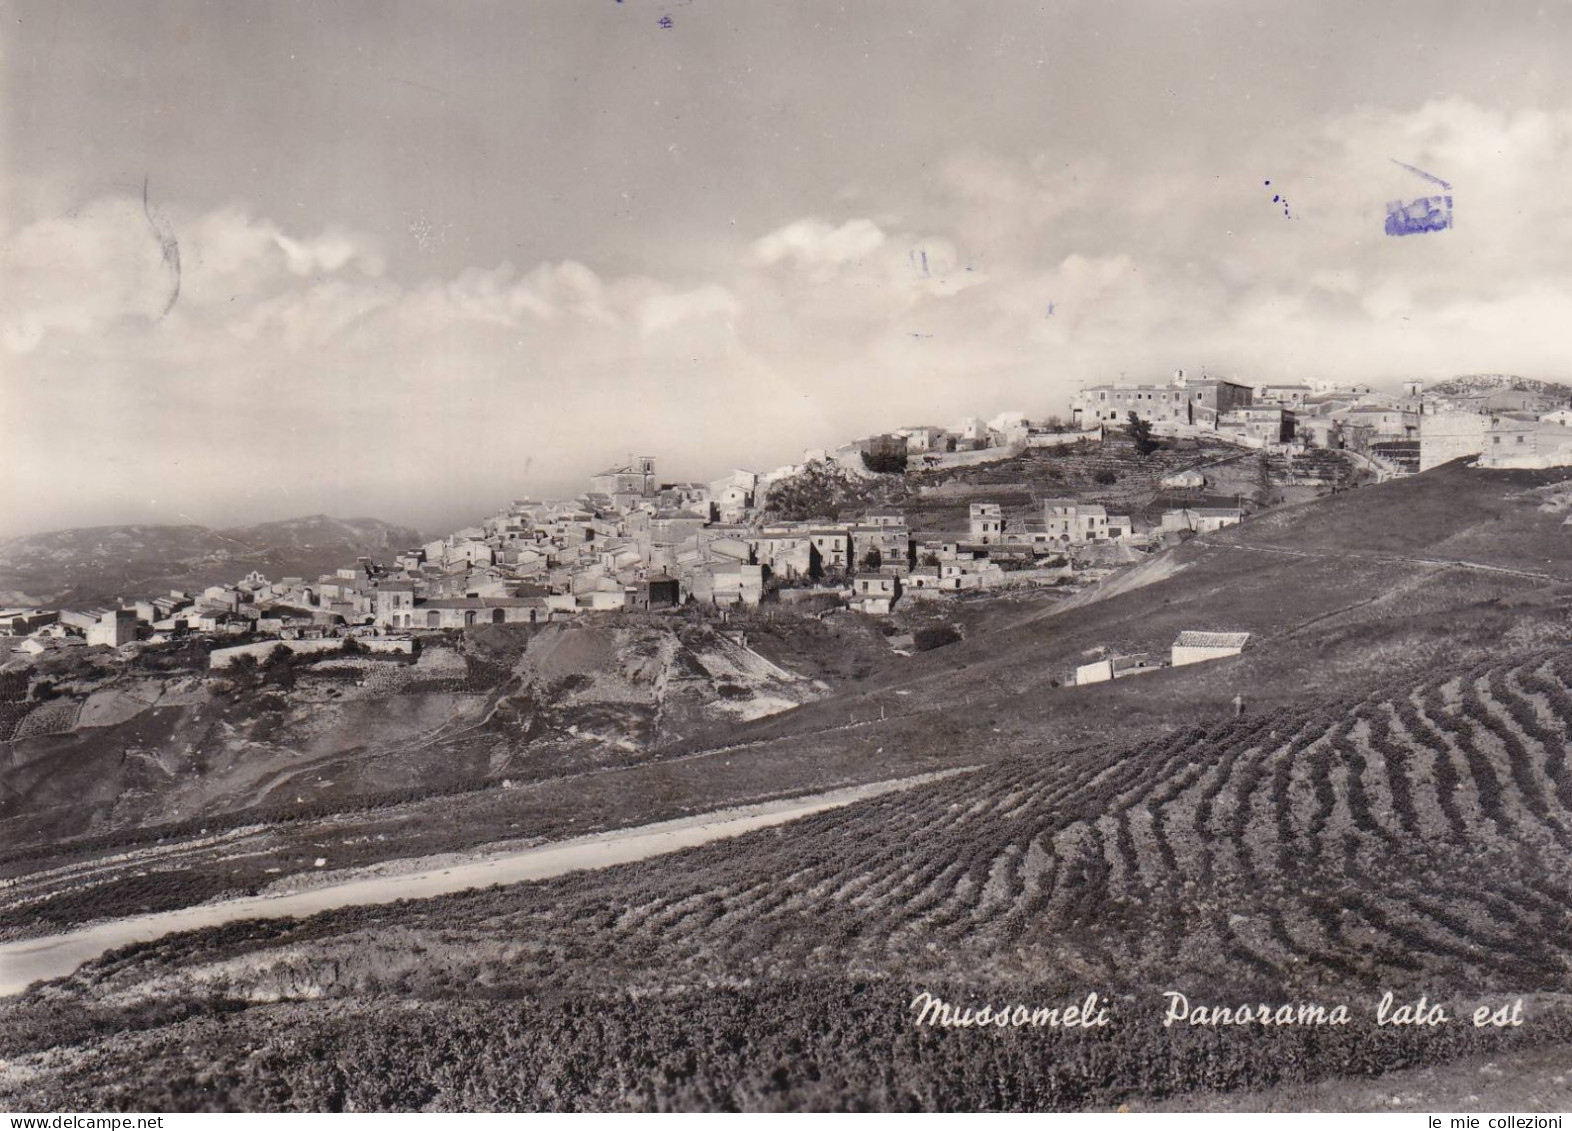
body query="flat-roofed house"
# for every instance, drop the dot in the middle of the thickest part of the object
(394, 604)
(1066, 520)
(1202, 520)
(110, 627)
(727, 583)
(468, 612)
(893, 544)
(1268, 424)
(789, 553)
(21, 622)
(1194, 647)
(987, 523)
(1283, 394)
(874, 593)
(1190, 480)
(1118, 667)
(1183, 401)
(833, 547)
(657, 591)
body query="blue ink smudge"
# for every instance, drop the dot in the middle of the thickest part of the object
(1410, 217)
(1425, 214)
(1435, 180)
(665, 21)
(1278, 198)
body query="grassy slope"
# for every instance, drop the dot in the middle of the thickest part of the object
(1358, 595)
(1319, 854)
(1527, 1080)
(1325, 619)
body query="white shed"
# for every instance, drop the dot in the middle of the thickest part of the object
(1198, 647)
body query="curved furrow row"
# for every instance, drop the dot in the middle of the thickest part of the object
(1477, 804)
(1505, 777)
(1533, 749)
(1421, 833)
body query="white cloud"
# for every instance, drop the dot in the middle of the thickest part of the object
(79, 273)
(999, 284)
(819, 247)
(663, 311)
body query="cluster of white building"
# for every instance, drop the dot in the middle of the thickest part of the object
(629, 542)
(634, 542)
(1262, 415)
(1410, 430)
(1070, 522)
(1502, 438)
(971, 441)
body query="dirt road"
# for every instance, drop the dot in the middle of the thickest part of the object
(29, 960)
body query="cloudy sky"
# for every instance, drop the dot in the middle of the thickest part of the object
(412, 260)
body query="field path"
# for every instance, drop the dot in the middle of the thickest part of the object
(1376, 556)
(29, 960)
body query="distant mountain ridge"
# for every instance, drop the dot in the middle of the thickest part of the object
(83, 565)
(319, 530)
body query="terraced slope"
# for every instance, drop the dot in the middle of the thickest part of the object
(1416, 841)
(1423, 835)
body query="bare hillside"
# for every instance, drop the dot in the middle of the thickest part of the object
(1415, 841)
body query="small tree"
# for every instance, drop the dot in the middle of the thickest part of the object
(873, 559)
(243, 668)
(885, 463)
(935, 636)
(1263, 480)
(1140, 433)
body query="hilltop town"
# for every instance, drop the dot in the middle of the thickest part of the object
(787, 558)
(650, 658)
(633, 541)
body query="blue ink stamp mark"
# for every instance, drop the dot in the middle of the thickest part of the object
(1423, 214)
(665, 21)
(1426, 214)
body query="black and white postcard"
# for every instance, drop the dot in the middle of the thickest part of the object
(680, 555)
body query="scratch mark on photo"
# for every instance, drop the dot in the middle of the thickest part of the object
(164, 232)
